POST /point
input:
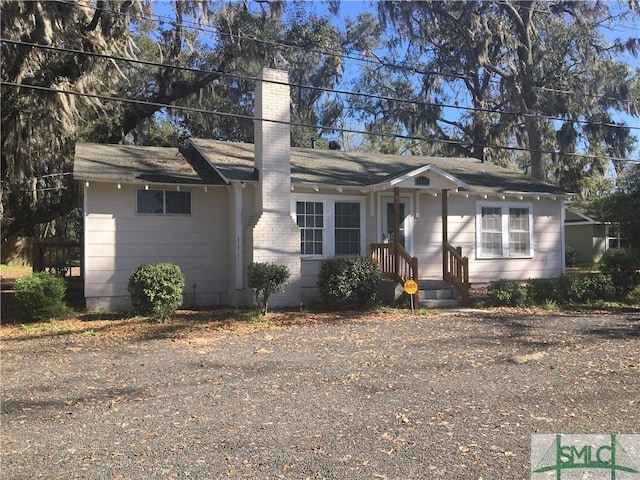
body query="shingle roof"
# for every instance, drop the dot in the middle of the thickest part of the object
(358, 169)
(134, 164)
(214, 162)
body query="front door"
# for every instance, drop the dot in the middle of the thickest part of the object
(388, 222)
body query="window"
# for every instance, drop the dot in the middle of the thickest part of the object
(491, 232)
(163, 202)
(310, 219)
(503, 230)
(347, 230)
(615, 239)
(329, 227)
(519, 232)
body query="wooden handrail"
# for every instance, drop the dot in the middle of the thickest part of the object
(456, 270)
(395, 262)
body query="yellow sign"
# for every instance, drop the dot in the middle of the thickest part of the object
(411, 287)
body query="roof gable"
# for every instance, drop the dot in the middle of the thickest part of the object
(446, 180)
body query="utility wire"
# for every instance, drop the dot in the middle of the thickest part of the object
(337, 129)
(308, 87)
(370, 59)
(193, 25)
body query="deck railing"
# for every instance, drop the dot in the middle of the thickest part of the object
(456, 270)
(395, 261)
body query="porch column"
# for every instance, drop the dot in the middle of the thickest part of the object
(445, 233)
(396, 228)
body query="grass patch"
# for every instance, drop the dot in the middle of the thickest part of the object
(14, 271)
(426, 311)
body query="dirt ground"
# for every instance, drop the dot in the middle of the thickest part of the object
(387, 394)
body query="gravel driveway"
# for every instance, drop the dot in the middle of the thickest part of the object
(451, 396)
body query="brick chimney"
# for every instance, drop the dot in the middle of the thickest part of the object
(275, 235)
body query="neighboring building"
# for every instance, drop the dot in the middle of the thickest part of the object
(213, 207)
(591, 237)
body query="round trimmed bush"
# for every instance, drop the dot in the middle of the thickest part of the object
(156, 288)
(40, 296)
(347, 282)
(265, 279)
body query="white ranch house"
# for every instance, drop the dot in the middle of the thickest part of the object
(213, 207)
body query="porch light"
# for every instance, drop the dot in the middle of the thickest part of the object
(119, 186)
(86, 184)
(146, 187)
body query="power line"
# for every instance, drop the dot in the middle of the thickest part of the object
(363, 58)
(322, 89)
(337, 129)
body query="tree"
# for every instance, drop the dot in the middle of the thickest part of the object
(289, 38)
(538, 77)
(39, 125)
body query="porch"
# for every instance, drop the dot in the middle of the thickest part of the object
(398, 265)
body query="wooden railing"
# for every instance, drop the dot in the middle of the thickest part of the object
(395, 261)
(455, 270)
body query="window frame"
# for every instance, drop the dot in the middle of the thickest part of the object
(164, 202)
(345, 229)
(505, 229)
(312, 229)
(329, 228)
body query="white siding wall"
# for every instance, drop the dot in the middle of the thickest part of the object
(427, 240)
(118, 240)
(547, 240)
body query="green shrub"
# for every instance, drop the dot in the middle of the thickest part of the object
(599, 286)
(265, 279)
(348, 282)
(570, 256)
(541, 290)
(550, 305)
(40, 296)
(623, 267)
(508, 293)
(156, 288)
(584, 288)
